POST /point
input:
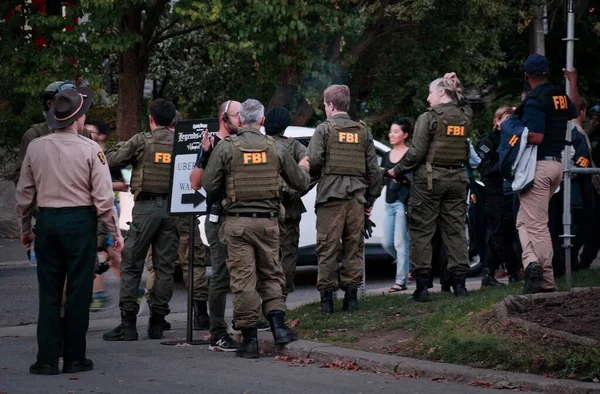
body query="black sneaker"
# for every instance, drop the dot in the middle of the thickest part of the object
(263, 326)
(224, 344)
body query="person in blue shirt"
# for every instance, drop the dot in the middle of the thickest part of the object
(545, 112)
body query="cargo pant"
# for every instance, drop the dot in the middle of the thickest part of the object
(446, 203)
(532, 219)
(254, 268)
(340, 226)
(65, 246)
(219, 283)
(151, 225)
(289, 236)
(200, 279)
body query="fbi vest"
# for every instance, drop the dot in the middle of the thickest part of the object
(449, 145)
(346, 147)
(152, 173)
(555, 105)
(254, 171)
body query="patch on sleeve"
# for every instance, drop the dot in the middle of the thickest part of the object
(102, 158)
(485, 149)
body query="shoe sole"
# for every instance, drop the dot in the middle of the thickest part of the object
(220, 349)
(119, 339)
(45, 371)
(77, 369)
(285, 340)
(248, 355)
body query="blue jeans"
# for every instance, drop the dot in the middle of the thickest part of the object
(395, 238)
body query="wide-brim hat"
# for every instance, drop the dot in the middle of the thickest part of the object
(68, 106)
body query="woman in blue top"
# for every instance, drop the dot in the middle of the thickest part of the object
(395, 239)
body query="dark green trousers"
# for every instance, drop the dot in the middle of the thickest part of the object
(219, 283)
(65, 246)
(151, 225)
(445, 204)
(289, 236)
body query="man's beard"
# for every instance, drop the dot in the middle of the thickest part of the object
(231, 129)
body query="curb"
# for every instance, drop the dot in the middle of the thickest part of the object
(409, 367)
(18, 263)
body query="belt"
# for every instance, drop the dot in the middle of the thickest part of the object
(256, 215)
(151, 197)
(448, 167)
(549, 158)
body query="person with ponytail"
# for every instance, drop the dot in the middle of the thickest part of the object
(437, 159)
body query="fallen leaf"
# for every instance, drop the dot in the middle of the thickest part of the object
(483, 313)
(519, 335)
(438, 380)
(73, 378)
(295, 323)
(342, 329)
(595, 380)
(446, 321)
(549, 375)
(572, 375)
(481, 384)
(470, 314)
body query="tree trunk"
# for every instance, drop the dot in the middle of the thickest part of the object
(303, 114)
(132, 75)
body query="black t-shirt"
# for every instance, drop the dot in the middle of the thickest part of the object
(202, 162)
(394, 191)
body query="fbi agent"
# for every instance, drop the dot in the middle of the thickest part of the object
(150, 155)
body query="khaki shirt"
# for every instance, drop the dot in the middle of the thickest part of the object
(219, 166)
(343, 186)
(36, 131)
(61, 170)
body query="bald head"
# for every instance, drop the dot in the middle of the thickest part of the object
(229, 113)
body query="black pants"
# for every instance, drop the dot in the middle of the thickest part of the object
(555, 224)
(500, 233)
(65, 246)
(583, 230)
(591, 246)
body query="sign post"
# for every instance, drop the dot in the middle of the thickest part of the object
(183, 200)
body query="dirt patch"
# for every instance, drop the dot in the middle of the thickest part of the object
(383, 342)
(577, 313)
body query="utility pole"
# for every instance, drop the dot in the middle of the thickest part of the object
(539, 29)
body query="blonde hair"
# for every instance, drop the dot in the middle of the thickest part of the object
(500, 112)
(452, 87)
(339, 96)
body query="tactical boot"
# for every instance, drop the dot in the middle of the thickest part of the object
(533, 278)
(350, 300)
(156, 325)
(126, 331)
(327, 302)
(282, 334)
(446, 285)
(458, 282)
(249, 346)
(201, 319)
(489, 279)
(421, 294)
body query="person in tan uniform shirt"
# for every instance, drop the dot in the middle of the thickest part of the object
(66, 176)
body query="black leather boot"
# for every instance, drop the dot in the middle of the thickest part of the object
(489, 279)
(156, 325)
(533, 278)
(249, 346)
(126, 331)
(44, 369)
(282, 334)
(460, 289)
(421, 294)
(201, 319)
(327, 302)
(350, 300)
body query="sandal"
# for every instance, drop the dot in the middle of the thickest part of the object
(397, 288)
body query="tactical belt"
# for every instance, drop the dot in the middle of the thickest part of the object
(256, 215)
(448, 167)
(150, 197)
(431, 166)
(549, 158)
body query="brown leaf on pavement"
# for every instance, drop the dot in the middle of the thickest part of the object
(341, 364)
(73, 378)
(401, 374)
(440, 379)
(481, 384)
(572, 376)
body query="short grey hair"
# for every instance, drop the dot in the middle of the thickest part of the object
(251, 112)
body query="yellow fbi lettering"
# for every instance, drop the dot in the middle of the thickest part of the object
(161, 157)
(582, 162)
(348, 138)
(255, 158)
(455, 130)
(560, 102)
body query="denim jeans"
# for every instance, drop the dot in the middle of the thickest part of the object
(395, 238)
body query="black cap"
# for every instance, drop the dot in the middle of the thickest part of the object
(277, 120)
(537, 64)
(595, 110)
